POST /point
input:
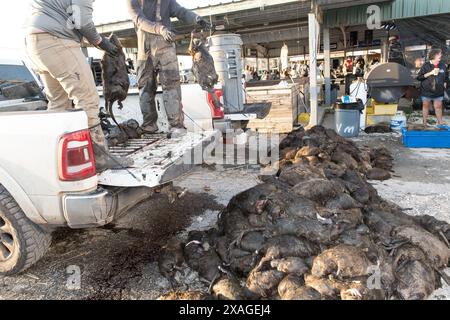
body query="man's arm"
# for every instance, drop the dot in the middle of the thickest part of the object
(424, 74)
(82, 16)
(447, 78)
(140, 21)
(182, 13)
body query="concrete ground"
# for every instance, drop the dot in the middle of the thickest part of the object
(119, 261)
(421, 182)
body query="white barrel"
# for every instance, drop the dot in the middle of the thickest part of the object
(226, 50)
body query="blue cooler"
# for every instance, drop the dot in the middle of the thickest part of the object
(427, 139)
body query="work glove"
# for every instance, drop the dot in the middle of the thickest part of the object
(202, 22)
(168, 35)
(107, 46)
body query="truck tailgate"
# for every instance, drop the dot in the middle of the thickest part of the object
(158, 160)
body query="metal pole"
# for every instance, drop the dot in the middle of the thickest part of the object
(312, 22)
(327, 71)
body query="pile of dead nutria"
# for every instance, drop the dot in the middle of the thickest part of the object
(317, 230)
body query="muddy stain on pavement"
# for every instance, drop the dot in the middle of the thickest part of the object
(135, 247)
(112, 259)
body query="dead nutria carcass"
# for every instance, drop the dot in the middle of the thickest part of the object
(228, 289)
(203, 66)
(124, 132)
(293, 288)
(115, 78)
(171, 258)
(317, 229)
(342, 261)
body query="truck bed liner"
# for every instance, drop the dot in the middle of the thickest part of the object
(157, 160)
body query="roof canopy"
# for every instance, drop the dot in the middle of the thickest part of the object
(390, 10)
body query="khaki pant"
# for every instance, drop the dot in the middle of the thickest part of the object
(161, 59)
(67, 77)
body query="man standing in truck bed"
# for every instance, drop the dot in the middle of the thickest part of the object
(54, 34)
(157, 55)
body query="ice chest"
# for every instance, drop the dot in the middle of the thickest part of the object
(426, 139)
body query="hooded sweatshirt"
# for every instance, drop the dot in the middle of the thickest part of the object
(66, 19)
(149, 16)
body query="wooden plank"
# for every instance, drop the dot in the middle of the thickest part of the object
(271, 122)
(279, 129)
(281, 100)
(277, 114)
(284, 111)
(280, 114)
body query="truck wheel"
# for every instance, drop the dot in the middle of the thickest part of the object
(22, 243)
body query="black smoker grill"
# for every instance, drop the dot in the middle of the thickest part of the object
(388, 82)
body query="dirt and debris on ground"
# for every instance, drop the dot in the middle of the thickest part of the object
(318, 229)
(115, 261)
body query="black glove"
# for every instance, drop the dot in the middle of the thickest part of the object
(168, 35)
(107, 46)
(202, 22)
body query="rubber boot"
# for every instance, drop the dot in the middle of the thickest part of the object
(177, 132)
(104, 160)
(149, 129)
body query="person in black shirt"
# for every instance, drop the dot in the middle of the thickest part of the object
(434, 80)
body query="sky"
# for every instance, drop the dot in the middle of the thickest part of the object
(13, 15)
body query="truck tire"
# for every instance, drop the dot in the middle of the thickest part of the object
(22, 243)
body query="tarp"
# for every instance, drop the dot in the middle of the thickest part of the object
(393, 10)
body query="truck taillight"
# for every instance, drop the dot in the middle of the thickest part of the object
(217, 112)
(76, 156)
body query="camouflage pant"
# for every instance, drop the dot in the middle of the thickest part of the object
(161, 60)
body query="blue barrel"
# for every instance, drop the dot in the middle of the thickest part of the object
(347, 119)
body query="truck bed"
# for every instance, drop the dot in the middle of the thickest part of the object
(157, 159)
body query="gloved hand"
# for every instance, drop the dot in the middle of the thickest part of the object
(107, 46)
(202, 22)
(168, 35)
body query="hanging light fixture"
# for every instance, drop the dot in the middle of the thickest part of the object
(389, 26)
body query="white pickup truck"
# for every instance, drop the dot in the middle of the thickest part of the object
(47, 172)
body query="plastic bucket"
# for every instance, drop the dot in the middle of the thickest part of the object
(347, 123)
(226, 52)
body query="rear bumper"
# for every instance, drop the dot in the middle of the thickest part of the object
(100, 207)
(92, 209)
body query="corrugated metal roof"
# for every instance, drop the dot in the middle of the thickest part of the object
(397, 9)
